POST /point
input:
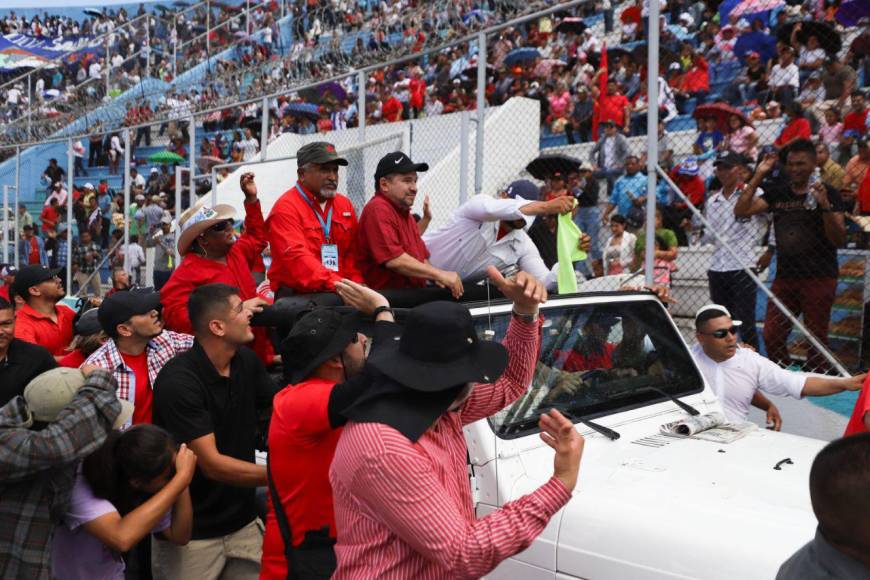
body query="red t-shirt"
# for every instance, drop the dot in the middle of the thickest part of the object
(856, 121)
(387, 232)
(612, 108)
(4, 292)
(576, 362)
(862, 407)
(301, 443)
(35, 327)
(49, 218)
(391, 110)
(33, 256)
(138, 363)
(797, 129)
(73, 360)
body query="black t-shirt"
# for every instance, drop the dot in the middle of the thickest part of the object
(545, 241)
(587, 196)
(54, 173)
(23, 362)
(802, 248)
(192, 400)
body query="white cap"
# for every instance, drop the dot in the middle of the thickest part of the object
(716, 308)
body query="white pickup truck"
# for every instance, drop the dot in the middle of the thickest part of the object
(647, 505)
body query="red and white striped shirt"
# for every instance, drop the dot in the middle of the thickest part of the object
(404, 510)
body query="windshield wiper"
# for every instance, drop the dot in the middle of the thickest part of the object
(606, 431)
(684, 406)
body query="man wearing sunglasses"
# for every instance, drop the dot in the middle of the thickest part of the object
(737, 374)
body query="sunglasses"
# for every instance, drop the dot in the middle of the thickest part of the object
(722, 332)
(220, 226)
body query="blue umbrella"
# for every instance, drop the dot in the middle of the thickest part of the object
(309, 110)
(763, 44)
(479, 15)
(519, 55)
(851, 12)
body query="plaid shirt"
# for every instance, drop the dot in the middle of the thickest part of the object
(38, 470)
(86, 266)
(160, 350)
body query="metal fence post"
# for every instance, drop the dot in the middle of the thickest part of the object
(175, 47)
(108, 64)
(652, 142)
(17, 184)
(177, 211)
(5, 224)
(192, 135)
(29, 106)
(207, 29)
(361, 104)
(481, 112)
(264, 130)
(463, 156)
(69, 212)
(127, 201)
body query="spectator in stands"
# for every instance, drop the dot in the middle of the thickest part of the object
(24, 217)
(43, 437)
(86, 258)
(809, 226)
(323, 356)
(211, 398)
(784, 77)
(619, 248)
(813, 93)
(796, 126)
(838, 482)
(709, 137)
(392, 252)
(831, 172)
(839, 81)
(855, 175)
(31, 248)
(312, 229)
(811, 56)
(49, 217)
(856, 118)
(670, 244)
(613, 106)
(87, 339)
(249, 147)
(750, 86)
(580, 119)
(487, 231)
(7, 275)
(587, 215)
(831, 127)
(57, 192)
(609, 155)
(629, 191)
(53, 173)
(212, 254)
(163, 242)
(695, 82)
(737, 374)
(735, 246)
(41, 319)
(741, 137)
(20, 361)
(120, 281)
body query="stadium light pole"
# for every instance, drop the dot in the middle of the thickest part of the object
(69, 212)
(361, 104)
(481, 112)
(264, 130)
(652, 138)
(16, 234)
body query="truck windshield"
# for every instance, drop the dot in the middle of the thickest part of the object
(596, 360)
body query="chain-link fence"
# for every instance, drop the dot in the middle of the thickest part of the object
(560, 99)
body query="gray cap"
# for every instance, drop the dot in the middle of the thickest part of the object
(50, 392)
(318, 152)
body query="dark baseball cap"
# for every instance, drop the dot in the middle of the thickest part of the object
(523, 188)
(730, 158)
(121, 306)
(88, 323)
(397, 162)
(318, 152)
(32, 275)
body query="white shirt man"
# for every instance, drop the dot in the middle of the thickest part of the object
(782, 75)
(469, 242)
(249, 148)
(737, 374)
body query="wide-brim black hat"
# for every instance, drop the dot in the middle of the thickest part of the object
(315, 338)
(439, 349)
(407, 411)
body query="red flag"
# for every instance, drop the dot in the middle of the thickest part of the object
(602, 90)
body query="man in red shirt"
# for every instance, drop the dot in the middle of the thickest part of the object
(614, 107)
(856, 119)
(323, 359)
(41, 320)
(391, 109)
(212, 254)
(392, 253)
(312, 228)
(7, 273)
(49, 217)
(860, 420)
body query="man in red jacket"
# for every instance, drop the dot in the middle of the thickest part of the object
(212, 254)
(312, 228)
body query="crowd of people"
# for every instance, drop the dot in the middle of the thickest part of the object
(140, 414)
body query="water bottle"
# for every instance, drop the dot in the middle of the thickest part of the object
(810, 201)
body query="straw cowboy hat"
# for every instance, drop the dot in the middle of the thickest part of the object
(198, 218)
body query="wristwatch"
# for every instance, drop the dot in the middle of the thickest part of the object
(380, 309)
(529, 318)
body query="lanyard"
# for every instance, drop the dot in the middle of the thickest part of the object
(326, 226)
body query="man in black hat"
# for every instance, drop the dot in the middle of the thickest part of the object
(20, 361)
(41, 319)
(392, 252)
(138, 346)
(323, 358)
(312, 228)
(7, 275)
(399, 477)
(730, 285)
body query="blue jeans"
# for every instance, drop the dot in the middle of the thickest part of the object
(588, 219)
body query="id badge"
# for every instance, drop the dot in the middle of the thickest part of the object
(329, 256)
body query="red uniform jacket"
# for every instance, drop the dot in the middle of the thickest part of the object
(194, 271)
(295, 236)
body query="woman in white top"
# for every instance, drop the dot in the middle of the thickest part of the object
(619, 250)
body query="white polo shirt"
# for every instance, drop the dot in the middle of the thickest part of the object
(740, 234)
(735, 380)
(468, 243)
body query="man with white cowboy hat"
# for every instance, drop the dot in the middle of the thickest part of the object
(489, 231)
(399, 479)
(63, 416)
(737, 374)
(211, 253)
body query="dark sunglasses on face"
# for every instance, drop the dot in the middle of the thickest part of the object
(220, 226)
(722, 332)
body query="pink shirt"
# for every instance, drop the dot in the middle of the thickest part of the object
(738, 141)
(559, 104)
(830, 134)
(404, 510)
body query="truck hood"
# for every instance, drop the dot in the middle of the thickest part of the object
(649, 506)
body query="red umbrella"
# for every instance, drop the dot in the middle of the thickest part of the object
(630, 15)
(721, 112)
